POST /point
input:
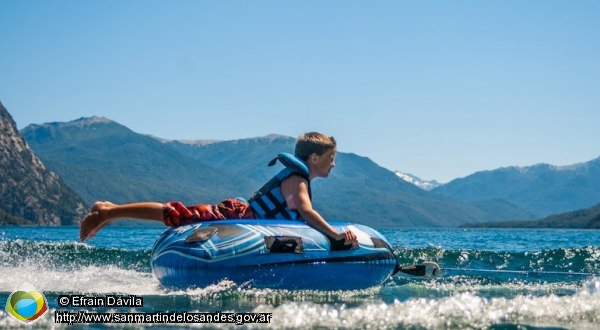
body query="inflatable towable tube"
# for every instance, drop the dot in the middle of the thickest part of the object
(270, 254)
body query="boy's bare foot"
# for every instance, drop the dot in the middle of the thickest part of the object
(94, 221)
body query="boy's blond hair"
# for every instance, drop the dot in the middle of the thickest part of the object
(313, 142)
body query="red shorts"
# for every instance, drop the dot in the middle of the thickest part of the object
(177, 214)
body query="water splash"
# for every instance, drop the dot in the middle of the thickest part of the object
(485, 289)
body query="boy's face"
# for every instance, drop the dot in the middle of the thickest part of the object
(323, 164)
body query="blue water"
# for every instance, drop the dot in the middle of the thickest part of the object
(494, 279)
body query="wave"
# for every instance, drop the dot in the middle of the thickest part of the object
(458, 311)
(74, 254)
(479, 289)
(20, 257)
(70, 255)
(461, 306)
(499, 266)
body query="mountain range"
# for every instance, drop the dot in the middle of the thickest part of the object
(96, 158)
(103, 160)
(541, 189)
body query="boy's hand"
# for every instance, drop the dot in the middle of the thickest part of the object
(344, 241)
(348, 236)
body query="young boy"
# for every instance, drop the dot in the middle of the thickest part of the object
(315, 150)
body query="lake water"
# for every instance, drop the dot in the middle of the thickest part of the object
(492, 278)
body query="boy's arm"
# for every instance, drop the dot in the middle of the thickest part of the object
(295, 191)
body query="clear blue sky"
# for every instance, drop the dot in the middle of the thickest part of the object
(439, 89)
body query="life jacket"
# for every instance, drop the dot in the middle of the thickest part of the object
(268, 202)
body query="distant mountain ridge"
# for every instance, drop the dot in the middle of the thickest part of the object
(541, 189)
(579, 219)
(29, 192)
(423, 184)
(103, 160)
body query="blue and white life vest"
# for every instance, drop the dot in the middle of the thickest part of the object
(268, 202)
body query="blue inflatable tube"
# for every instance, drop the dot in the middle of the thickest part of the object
(270, 254)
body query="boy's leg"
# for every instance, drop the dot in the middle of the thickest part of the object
(104, 212)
